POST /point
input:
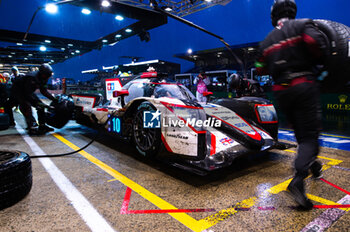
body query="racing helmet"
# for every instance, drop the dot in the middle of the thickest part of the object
(45, 71)
(14, 69)
(234, 81)
(283, 9)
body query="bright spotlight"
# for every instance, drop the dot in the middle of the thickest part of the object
(105, 3)
(86, 11)
(51, 8)
(128, 30)
(119, 17)
(189, 51)
(42, 48)
(118, 35)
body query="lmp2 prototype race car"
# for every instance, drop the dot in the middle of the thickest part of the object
(164, 118)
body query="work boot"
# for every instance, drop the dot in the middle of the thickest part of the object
(316, 170)
(45, 128)
(297, 191)
(35, 131)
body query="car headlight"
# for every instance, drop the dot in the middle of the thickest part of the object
(266, 113)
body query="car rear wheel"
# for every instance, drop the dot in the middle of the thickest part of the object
(147, 140)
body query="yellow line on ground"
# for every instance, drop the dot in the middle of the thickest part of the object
(325, 201)
(185, 219)
(247, 203)
(321, 200)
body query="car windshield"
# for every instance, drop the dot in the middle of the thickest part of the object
(157, 90)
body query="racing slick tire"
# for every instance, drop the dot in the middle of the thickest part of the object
(15, 177)
(338, 57)
(61, 113)
(147, 140)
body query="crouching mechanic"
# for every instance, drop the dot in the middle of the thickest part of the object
(289, 54)
(22, 93)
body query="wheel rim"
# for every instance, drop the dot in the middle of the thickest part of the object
(144, 137)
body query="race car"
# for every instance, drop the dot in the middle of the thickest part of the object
(164, 119)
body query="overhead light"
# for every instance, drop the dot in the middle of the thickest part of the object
(104, 41)
(119, 17)
(208, 0)
(86, 11)
(9, 56)
(19, 44)
(30, 54)
(251, 49)
(128, 30)
(47, 41)
(70, 45)
(72, 53)
(51, 8)
(189, 51)
(63, 49)
(77, 51)
(105, 3)
(219, 53)
(42, 48)
(118, 35)
(52, 61)
(112, 44)
(13, 53)
(168, 8)
(25, 58)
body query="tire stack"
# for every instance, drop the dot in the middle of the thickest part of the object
(338, 59)
(15, 177)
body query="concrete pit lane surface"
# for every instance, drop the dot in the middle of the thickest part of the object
(109, 187)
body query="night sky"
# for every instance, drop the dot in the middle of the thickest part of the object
(240, 21)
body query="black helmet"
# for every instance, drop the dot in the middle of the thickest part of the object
(283, 9)
(45, 70)
(234, 81)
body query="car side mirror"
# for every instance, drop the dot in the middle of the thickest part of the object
(118, 93)
(121, 93)
(206, 93)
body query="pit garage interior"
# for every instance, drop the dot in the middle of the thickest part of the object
(107, 185)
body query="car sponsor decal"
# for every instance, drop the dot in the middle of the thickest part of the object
(111, 86)
(226, 141)
(84, 101)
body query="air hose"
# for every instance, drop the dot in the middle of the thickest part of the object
(76, 151)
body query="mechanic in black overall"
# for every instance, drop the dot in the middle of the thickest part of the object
(244, 87)
(22, 93)
(288, 54)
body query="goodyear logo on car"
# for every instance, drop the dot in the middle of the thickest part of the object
(151, 119)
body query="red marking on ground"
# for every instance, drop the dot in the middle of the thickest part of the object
(330, 206)
(125, 206)
(335, 186)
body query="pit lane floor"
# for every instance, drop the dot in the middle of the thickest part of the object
(109, 187)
